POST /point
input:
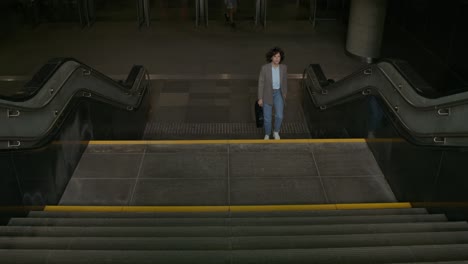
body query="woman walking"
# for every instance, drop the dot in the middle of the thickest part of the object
(272, 90)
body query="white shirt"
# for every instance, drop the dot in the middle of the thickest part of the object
(275, 73)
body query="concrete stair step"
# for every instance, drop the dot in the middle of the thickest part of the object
(391, 211)
(219, 231)
(395, 254)
(225, 221)
(235, 243)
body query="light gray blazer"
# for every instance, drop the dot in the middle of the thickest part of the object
(265, 83)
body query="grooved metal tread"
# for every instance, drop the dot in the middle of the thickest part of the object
(159, 130)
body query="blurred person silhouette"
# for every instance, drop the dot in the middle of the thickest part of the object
(231, 9)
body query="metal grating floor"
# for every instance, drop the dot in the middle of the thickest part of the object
(171, 130)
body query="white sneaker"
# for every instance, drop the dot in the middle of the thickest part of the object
(276, 135)
(267, 137)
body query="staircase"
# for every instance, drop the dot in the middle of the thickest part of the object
(400, 235)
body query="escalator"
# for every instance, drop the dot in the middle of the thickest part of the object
(418, 113)
(417, 135)
(175, 173)
(47, 123)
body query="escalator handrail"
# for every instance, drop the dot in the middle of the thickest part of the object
(420, 116)
(36, 83)
(422, 101)
(50, 88)
(77, 82)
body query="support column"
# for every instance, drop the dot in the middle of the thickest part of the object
(365, 29)
(86, 12)
(201, 12)
(143, 13)
(260, 12)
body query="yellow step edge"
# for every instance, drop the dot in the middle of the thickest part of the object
(165, 209)
(234, 208)
(373, 206)
(276, 208)
(176, 209)
(228, 141)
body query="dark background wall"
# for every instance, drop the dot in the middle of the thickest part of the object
(431, 35)
(9, 17)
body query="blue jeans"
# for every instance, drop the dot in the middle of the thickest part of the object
(278, 103)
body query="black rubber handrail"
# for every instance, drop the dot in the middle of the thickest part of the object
(432, 121)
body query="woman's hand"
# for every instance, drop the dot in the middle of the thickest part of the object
(260, 102)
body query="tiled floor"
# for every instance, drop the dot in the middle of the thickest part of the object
(227, 174)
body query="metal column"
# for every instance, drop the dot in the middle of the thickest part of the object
(86, 12)
(201, 12)
(261, 12)
(366, 16)
(143, 13)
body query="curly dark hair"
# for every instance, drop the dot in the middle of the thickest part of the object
(272, 52)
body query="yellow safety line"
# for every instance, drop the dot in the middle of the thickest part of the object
(274, 208)
(233, 208)
(174, 209)
(229, 141)
(60, 208)
(373, 206)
